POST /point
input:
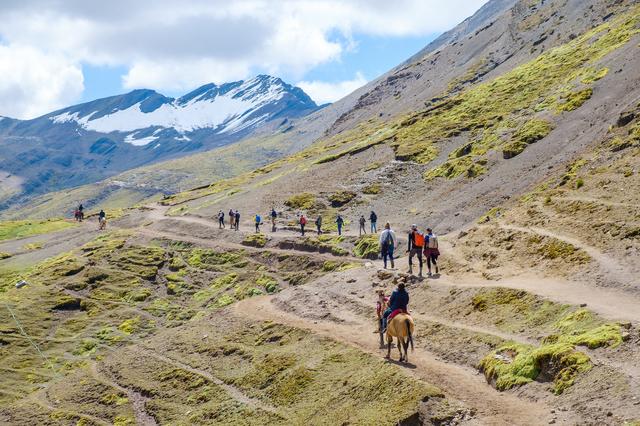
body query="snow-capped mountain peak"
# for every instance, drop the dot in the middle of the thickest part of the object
(224, 109)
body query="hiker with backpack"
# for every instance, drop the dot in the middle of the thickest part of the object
(339, 224)
(237, 217)
(258, 220)
(431, 251)
(388, 243)
(415, 247)
(220, 219)
(319, 224)
(373, 219)
(274, 216)
(362, 222)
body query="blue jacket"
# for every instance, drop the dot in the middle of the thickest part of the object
(399, 300)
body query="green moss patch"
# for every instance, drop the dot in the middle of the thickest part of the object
(10, 230)
(304, 201)
(255, 240)
(340, 198)
(367, 247)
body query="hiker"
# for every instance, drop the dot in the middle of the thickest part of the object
(221, 219)
(362, 222)
(381, 306)
(274, 216)
(319, 224)
(232, 219)
(302, 222)
(76, 215)
(102, 220)
(80, 213)
(339, 223)
(388, 243)
(431, 251)
(415, 248)
(237, 215)
(373, 219)
(398, 303)
(258, 220)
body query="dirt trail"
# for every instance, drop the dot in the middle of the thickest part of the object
(234, 392)
(463, 384)
(138, 401)
(609, 265)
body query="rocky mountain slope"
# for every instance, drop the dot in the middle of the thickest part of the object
(529, 174)
(88, 142)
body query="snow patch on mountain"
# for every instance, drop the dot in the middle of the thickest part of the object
(227, 111)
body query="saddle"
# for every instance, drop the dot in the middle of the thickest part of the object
(396, 312)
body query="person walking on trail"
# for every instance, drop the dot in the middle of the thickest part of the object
(362, 223)
(415, 248)
(258, 221)
(80, 212)
(388, 243)
(431, 251)
(373, 220)
(237, 215)
(274, 216)
(102, 220)
(339, 223)
(221, 219)
(302, 222)
(381, 306)
(319, 224)
(232, 219)
(398, 303)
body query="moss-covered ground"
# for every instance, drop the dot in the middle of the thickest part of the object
(25, 228)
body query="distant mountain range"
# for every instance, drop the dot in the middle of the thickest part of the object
(88, 142)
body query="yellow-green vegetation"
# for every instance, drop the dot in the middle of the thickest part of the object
(499, 106)
(10, 230)
(556, 249)
(373, 166)
(531, 132)
(574, 100)
(367, 247)
(303, 377)
(304, 201)
(373, 189)
(4, 255)
(33, 246)
(557, 358)
(340, 198)
(214, 260)
(255, 240)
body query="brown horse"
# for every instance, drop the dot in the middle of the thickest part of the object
(401, 326)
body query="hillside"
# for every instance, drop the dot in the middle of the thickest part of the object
(524, 158)
(88, 142)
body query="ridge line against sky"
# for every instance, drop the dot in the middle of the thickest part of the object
(54, 54)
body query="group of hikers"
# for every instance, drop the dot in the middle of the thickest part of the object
(373, 219)
(78, 215)
(234, 220)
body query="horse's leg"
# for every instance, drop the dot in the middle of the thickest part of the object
(400, 348)
(406, 350)
(381, 335)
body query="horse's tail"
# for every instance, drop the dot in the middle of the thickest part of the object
(408, 323)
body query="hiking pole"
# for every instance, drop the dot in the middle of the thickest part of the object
(25, 335)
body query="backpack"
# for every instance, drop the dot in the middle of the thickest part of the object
(418, 239)
(318, 221)
(373, 217)
(303, 220)
(258, 218)
(433, 241)
(388, 240)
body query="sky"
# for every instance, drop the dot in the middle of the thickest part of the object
(56, 53)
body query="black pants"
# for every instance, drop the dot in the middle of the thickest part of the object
(432, 258)
(302, 229)
(415, 251)
(221, 222)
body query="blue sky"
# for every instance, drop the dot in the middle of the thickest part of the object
(54, 54)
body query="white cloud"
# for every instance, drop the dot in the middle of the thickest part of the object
(176, 45)
(323, 92)
(34, 83)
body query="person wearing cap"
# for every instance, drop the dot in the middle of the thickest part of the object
(415, 248)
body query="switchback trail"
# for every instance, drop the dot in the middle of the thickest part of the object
(459, 383)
